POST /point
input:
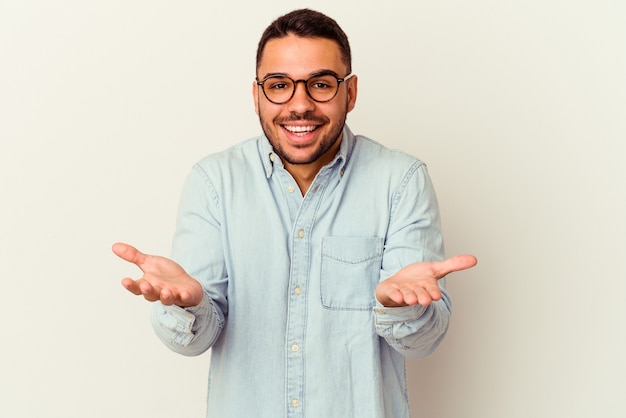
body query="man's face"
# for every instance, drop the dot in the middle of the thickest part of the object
(303, 131)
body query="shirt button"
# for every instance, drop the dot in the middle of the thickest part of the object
(301, 233)
(272, 157)
(297, 290)
(295, 348)
(295, 402)
(291, 189)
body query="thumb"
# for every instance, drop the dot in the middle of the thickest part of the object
(129, 253)
(456, 263)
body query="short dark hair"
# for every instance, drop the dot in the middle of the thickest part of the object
(306, 23)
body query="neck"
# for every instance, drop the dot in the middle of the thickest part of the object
(304, 174)
(303, 178)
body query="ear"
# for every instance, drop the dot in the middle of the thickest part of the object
(255, 96)
(352, 87)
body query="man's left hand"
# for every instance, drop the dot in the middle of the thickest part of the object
(418, 282)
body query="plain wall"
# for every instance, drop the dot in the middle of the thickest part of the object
(518, 108)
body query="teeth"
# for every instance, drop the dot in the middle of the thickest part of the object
(299, 129)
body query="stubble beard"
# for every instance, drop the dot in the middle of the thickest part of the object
(323, 146)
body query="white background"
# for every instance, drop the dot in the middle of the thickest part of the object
(518, 107)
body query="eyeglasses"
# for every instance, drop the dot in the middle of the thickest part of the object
(279, 89)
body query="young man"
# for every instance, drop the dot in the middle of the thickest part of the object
(308, 259)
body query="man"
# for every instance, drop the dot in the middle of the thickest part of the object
(308, 259)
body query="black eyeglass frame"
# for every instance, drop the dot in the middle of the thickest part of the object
(306, 86)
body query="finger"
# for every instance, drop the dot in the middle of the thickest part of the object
(423, 297)
(456, 263)
(167, 298)
(131, 286)
(187, 299)
(149, 292)
(392, 297)
(434, 292)
(129, 253)
(409, 296)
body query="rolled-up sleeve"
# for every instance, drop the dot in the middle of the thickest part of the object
(414, 235)
(414, 331)
(178, 327)
(198, 248)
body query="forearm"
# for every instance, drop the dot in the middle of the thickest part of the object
(189, 331)
(197, 247)
(414, 331)
(414, 235)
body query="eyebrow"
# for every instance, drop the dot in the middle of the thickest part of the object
(313, 74)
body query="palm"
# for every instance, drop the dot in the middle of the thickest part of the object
(418, 282)
(163, 279)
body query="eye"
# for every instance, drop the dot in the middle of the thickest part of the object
(277, 84)
(322, 83)
(320, 86)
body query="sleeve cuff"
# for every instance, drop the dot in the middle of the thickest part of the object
(400, 314)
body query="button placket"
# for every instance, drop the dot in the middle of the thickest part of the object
(297, 303)
(297, 311)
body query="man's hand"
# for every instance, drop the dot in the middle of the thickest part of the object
(163, 279)
(417, 283)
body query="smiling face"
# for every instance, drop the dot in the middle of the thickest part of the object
(302, 131)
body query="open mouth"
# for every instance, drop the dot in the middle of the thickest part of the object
(300, 130)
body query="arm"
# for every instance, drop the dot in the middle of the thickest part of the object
(413, 308)
(190, 292)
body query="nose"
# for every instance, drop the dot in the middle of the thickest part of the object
(301, 102)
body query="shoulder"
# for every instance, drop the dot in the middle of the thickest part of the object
(367, 150)
(233, 159)
(225, 169)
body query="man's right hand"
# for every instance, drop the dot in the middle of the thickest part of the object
(163, 279)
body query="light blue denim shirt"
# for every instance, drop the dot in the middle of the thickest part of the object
(289, 308)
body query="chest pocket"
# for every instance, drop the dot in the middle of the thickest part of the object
(350, 272)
